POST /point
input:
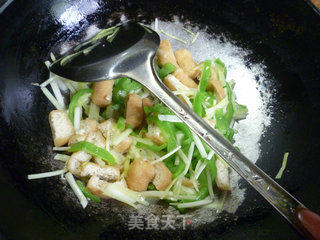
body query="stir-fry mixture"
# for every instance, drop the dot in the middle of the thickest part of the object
(118, 141)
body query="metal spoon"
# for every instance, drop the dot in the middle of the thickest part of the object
(130, 53)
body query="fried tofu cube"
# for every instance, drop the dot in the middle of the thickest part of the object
(86, 126)
(214, 84)
(134, 111)
(163, 176)
(76, 138)
(76, 160)
(108, 173)
(100, 187)
(186, 62)
(124, 145)
(147, 102)
(61, 127)
(97, 139)
(102, 93)
(140, 174)
(154, 134)
(184, 78)
(165, 53)
(222, 179)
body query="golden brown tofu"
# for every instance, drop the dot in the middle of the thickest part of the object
(147, 102)
(97, 186)
(100, 187)
(134, 111)
(124, 145)
(163, 176)
(186, 62)
(76, 160)
(154, 134)
(140, 174)
(214, 84)
(97, 139)
(108, 173)
(222, 179)
(165, 53)
(168, 83)
(102, 93)
(76, 138)
(61, 127)
(87, 125)
(184, 78)
(106, 127)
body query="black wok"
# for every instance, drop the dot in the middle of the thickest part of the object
(284, 35)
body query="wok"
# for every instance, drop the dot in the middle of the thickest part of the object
(284, 36)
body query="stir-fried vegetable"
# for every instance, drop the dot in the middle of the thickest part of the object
(47, 174)
(283, 166)
(205, 76)
(202, 99)
(152, 147)
(93, 150)
(166, 69)
(112, 111)
(224, 120)
(121, 124)
(221, 70)
(78, 100)
(121, 89)
(87, 193)
(70, 179)
(201, 94)
(158, 155)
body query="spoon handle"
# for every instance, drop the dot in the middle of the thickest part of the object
(278, 197)
(309, 222)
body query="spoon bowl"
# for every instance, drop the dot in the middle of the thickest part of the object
(127, 49)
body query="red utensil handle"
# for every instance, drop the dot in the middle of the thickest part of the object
(309, 222)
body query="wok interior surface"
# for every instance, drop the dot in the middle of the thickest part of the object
(284, 36)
